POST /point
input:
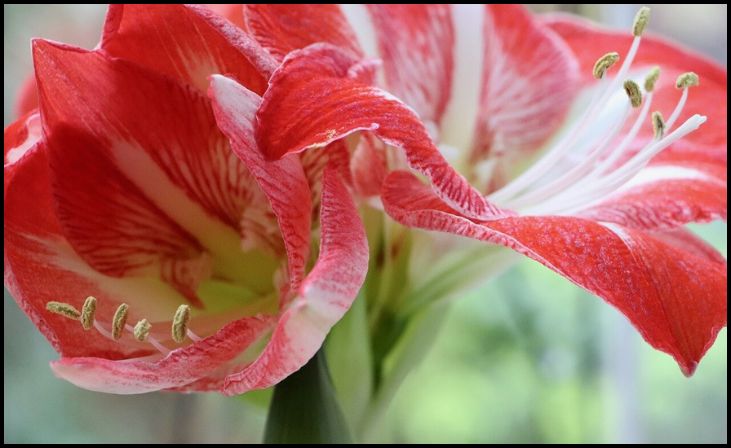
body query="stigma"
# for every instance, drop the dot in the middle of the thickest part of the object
(118, 326)
(598, 153)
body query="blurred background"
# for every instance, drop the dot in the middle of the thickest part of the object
(530, 358)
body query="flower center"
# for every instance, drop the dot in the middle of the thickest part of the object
(589, 162)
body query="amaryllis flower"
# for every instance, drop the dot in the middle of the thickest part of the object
(582, 148)
(150, 254)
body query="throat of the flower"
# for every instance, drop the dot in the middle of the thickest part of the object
(590, 162)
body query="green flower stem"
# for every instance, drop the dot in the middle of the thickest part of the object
(304, 408)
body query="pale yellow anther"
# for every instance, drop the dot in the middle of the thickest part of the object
(142, 330)
(651, 79)
(633, 92)
(658, 125)
(87, 313)
(180, 323)
(604, 63)
(64, 309)
(686, 80)
(641, 19)
(119, 320)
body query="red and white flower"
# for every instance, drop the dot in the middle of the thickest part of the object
(123, 186)
(484, 89)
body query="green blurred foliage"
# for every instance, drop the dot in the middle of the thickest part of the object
(530, 358)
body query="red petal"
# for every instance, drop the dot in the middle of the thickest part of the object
(110, 223)
(368, 166)
(185, 42)
(162, 138)
(283, 181)
(284, 28)
(314, 163)
(41, 267)
(676, 299)
(416, 43)
(27, 97)
(311, 102)
(179, 368)
(687, 241)
(528, 83)
(325, 296)
(665, 196)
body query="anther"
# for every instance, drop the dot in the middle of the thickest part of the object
(180, 323)
(142, 330)
(641, 19)
(120, 318)
(604, 63)
(651, 79)
(686, 80)
(87, 313)
(633, 92)
(658, 125)
(63, 309)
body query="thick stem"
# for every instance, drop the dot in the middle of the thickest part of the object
(304, 408)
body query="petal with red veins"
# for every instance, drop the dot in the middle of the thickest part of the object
(161, 136)
(283, 181)
(368, 166)
(416, 43)
(179, 368)
(664, 196)
(185, 42)
(40, 265)
(325, 296)
(284, 28)
(311, 102)
(528, 83)
(115, 228)
(675, 298)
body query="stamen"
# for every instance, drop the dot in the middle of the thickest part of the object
(686, 80)
(87, 313)
(558, 151)
(651, 79)
(633, 92)
(604, 63)
(120, 318)
(180, 323)
(641, 19)
(142, 330)
(658, 125)
(64, 309)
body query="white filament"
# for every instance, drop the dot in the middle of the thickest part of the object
(678, 109)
